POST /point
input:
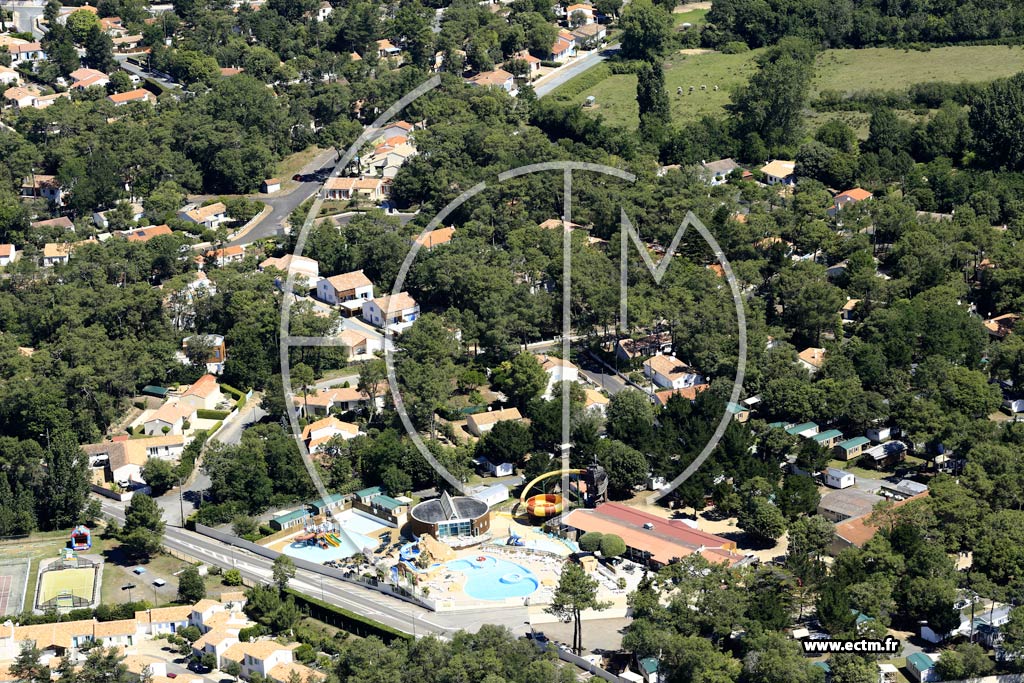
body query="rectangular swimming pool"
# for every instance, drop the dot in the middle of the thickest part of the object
(355, 522)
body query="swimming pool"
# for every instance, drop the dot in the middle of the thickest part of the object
(552, 546)
(488, 578)
(355, 522)
(316, 554)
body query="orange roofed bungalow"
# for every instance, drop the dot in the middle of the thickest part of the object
(651, 539)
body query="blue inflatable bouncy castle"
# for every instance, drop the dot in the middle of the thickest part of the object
(81, 538)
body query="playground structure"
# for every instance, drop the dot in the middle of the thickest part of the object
(594, 489)
(321, 534)
(514, 539)
(81, 538)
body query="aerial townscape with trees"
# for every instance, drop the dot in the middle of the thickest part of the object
(511, 341)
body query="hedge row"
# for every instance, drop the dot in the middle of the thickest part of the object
(204, 414)
(348, 621)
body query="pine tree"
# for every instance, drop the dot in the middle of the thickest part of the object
(652, 99)
(65, 485)
(99, 51)
(27, 667)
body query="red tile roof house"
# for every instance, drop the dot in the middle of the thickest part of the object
(651, 539)
(140, 95)
(849, 197)
(8, 253)
(671, 373)
(26, 52)
(87, 78)
(499, 78)
(210, 216)
(145, 234)
(402, 308)
(344, 287)
(563, 49)
(373, 189)
(204, 394)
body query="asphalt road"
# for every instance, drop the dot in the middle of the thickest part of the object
(282, 205)
(574, 69)
(382, 608)
(122, 61)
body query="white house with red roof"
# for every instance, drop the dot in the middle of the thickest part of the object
(317, 434)
(138, 95)
(8, 76)
(564, 47)
(396, 128)
(848, 197)
(558, 370)
(671, 373)
(397, 312)
(499, 78)
(204, 394)
(345, 287)
(579, 14)
(26, 53)
(8, 254)
(86, 78)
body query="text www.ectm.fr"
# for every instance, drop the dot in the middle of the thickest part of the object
(888, 646)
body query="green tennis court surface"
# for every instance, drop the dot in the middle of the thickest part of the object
(65, 582)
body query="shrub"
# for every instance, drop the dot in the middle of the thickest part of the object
(204, 414)
(247, 635)
(232, 577)
(612, 546)
(186, 424)
(305, 654)
(735, 47)
(591, 541)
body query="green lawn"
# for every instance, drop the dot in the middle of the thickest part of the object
(843, 70)
(694, 16)
(117, 573)
(894, 69)
(615, 95)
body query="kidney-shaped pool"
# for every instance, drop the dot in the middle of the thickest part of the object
(489, 578)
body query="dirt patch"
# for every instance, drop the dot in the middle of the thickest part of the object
(690, 6)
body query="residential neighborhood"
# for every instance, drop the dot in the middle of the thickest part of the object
(507, 341)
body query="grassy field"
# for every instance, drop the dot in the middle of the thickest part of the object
(117, 573)
(892, 69)
(842, 70)
(615, 95)
(696, 17)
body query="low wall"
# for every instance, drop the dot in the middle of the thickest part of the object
(569, 657)
(372, 584)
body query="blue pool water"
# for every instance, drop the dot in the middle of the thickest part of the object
(320, 555)
(357, 523)
(494, 579)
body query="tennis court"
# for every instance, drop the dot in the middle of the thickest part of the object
(67, 582)
(13, 578)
